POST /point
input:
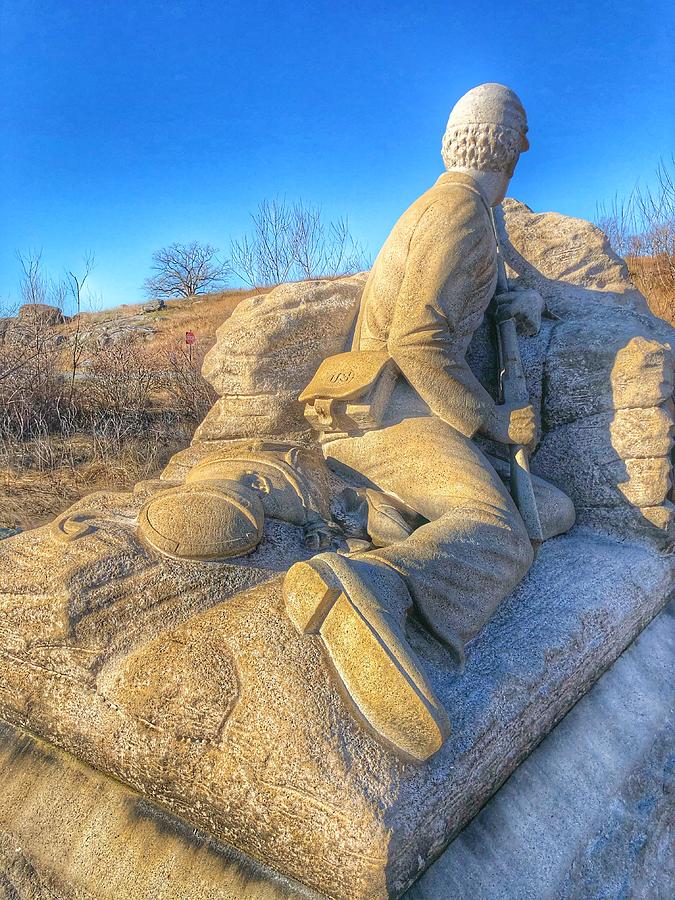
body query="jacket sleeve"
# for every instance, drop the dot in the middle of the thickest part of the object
(450, 273)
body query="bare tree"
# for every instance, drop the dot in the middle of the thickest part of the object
(641, 228)
(33, 282)
(293, 242)
(76, 284)
(184, 270)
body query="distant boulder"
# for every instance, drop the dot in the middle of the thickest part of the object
(42, 313)
(153, 306)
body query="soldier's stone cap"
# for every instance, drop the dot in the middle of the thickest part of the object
(490, 104)
(209, 520)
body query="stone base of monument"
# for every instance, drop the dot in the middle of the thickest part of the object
(68, 832)
(587, 812)
(229, 720)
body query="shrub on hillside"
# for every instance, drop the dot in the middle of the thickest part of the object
(641, 228)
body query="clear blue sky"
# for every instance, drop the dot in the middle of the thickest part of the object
(129, 125)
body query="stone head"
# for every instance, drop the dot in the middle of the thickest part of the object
(486, 132)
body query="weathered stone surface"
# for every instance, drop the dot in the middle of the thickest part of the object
(653, 524)
(267, 352)
(604, 769)
(68, 832)
(153, 306)
(182, 462)
(589, 468)
(166, 674)
(205, 521)
(607, 379)
(482, 358)
(42, 313)
(607, 419)
(589, 813)
(600, 362)
(563, 256)
(639, 432)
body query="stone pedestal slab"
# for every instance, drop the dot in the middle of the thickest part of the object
(231, 721)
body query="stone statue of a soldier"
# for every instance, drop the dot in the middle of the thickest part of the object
(427, 293)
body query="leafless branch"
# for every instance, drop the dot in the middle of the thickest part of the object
(641, 229)
(293, 242)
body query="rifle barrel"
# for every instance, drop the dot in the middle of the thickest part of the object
(514, 391)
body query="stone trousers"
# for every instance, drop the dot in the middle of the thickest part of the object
(474, 549)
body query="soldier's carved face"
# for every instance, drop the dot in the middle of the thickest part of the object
(524, 147)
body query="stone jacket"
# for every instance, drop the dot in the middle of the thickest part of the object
(426, 295)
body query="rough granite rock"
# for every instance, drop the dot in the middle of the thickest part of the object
(607, 377)
(563, 256)
(267, 352)
(607, 417)
(605, 769)
(68, 832)
(42, 313)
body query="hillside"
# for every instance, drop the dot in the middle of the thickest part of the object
(167, 327)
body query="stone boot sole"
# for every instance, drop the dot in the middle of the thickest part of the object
(377, 669)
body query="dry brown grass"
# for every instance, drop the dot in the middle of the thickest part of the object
(656, 280)
(641, 228)
(110, 434)
(41, 478)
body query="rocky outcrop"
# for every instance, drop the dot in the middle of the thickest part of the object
(608, 421)
(607, 377)
(153, 306)
(32, 319)
(42, 313)
(267, 352)
(563, 257)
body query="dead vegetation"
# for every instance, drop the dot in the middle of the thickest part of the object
(106, 416)
(641, 229)
(100, 399)
(293, 242)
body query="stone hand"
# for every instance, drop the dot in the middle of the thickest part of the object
(513, 424)
(525, 305)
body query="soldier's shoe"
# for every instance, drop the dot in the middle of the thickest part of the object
(358, 609)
